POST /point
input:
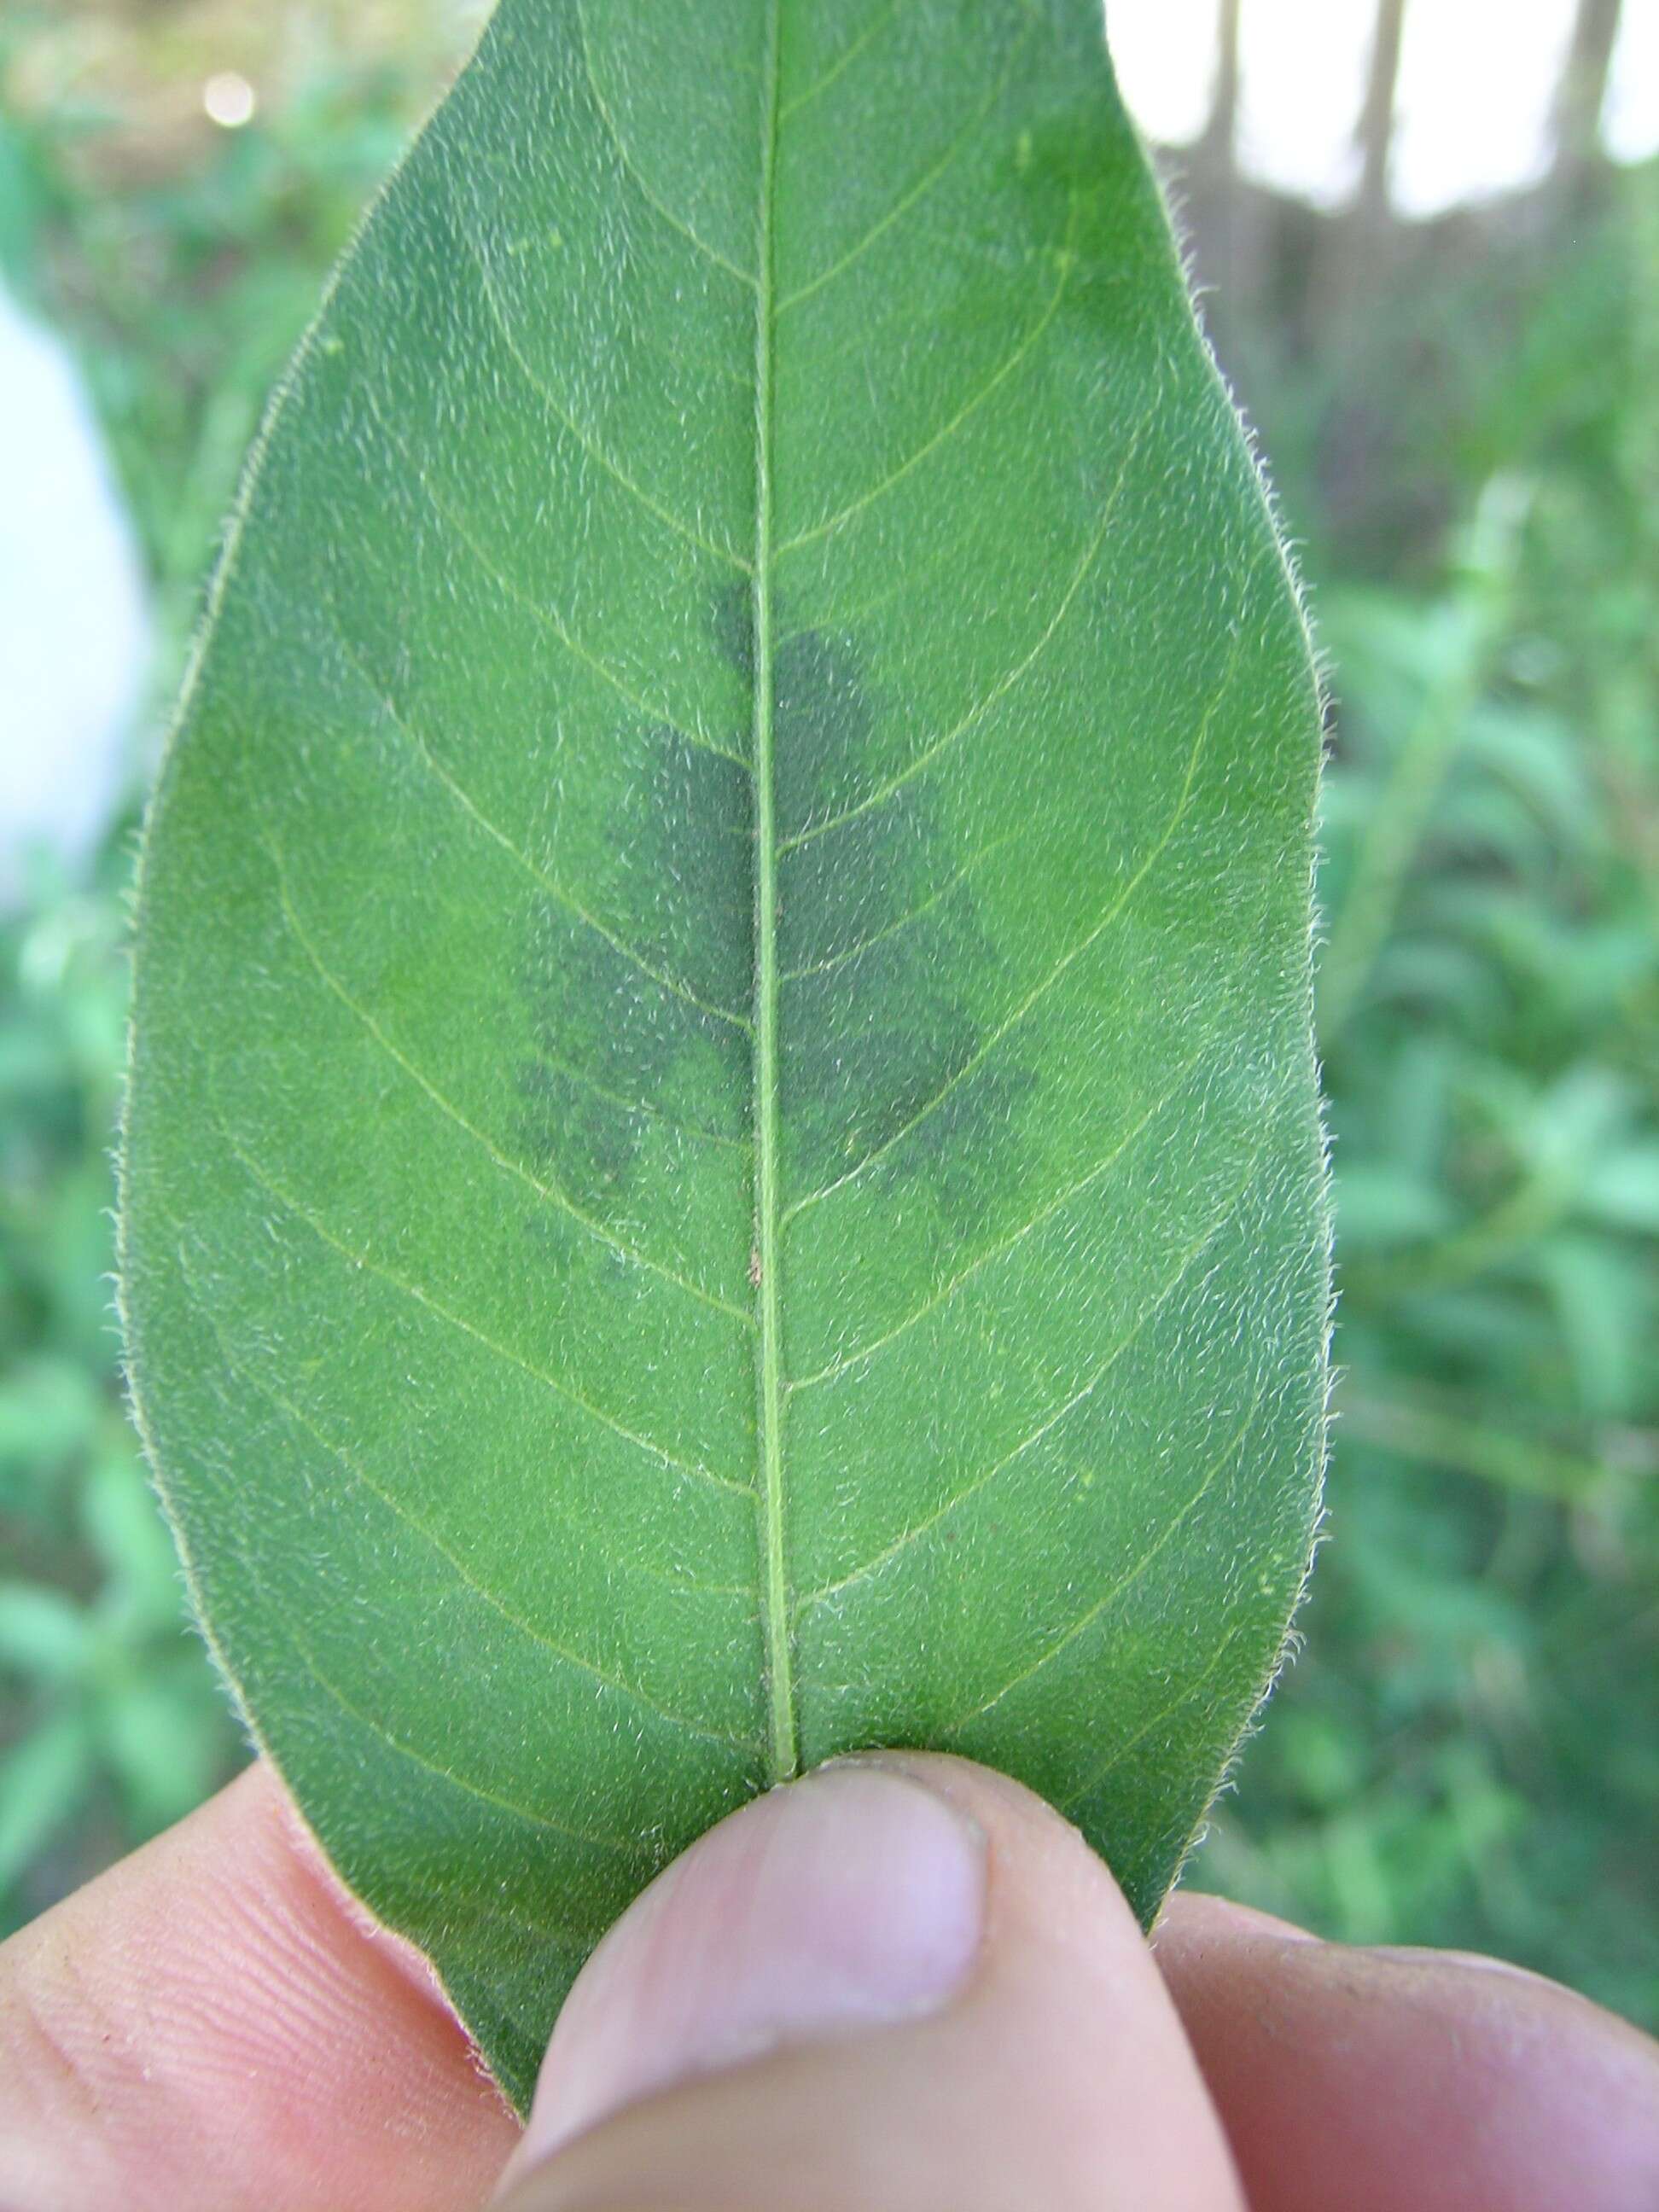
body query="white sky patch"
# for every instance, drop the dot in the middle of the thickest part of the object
(1478, 80)
(1165, 52)
(1302, 84)
(1630, 121)
(73, 627)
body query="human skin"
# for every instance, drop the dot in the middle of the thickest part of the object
(902, 1985)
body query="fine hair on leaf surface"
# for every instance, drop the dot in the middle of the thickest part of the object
(723, 1157)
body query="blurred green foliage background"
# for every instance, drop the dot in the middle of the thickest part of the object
(1465, 437)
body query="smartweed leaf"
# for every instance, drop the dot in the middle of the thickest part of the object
(723, 1159)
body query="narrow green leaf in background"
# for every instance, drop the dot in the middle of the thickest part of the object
(723, 1159)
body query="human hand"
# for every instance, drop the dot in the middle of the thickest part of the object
(902, 1985)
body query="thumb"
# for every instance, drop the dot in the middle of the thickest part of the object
(901, 1983)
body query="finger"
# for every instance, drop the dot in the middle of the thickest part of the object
(901, 1984)
(1409, 2081)
(210, 2026)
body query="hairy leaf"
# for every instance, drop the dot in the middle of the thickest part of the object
(723, 1159)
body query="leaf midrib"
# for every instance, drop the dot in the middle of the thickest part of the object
(775, 1583)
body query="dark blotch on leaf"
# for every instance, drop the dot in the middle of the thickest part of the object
(683, 862)
(616, 1046)
(881, 1050)
(820, 716)
(734, 629)
(821, 727)
(886, 953)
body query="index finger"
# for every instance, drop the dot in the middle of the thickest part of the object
(1394, 2080)
(211, 2027)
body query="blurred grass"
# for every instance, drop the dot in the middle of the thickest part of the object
(1467, 1750)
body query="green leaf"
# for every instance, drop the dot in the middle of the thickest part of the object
(723, 1159)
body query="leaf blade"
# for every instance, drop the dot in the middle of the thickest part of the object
(723, 1115)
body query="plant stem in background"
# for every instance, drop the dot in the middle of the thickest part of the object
(1474, 620)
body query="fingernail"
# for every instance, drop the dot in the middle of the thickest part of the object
(854, 1898)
